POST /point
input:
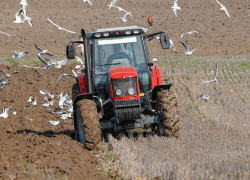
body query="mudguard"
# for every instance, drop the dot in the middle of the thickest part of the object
(156, 76)
(157, 88)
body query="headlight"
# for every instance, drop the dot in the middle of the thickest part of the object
(118, 92)
(131, 91)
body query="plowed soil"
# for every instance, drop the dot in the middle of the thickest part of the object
(32, 148)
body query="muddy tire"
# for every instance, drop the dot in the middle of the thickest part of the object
(167, 104)
(87, 126)
(75, 91)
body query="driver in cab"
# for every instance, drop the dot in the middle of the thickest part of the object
(118, 54)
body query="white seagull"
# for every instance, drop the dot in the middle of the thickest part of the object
(60, 28)
(8, 75)
(18, 18)
(42, 92)
(175, 7)
(204, 97)
(47, 66)
(43, 52)
(215, 77)
(5, 33)
(5, 112)
(223, 8)
(58, 64)
(55, 123)
(29, 100)
(121, 9)
(90, 2)
(188, 32)
(187, 52)
(17, 54)
(124, 17)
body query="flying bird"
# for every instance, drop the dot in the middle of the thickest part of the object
(90, 2)
(124, 17)
(47, 66)
(18, 18)
(187, 52)
(60, 28)
(215, 77)
(5, 33)
(8, 75)
(175, 7)
(223, 8)
(17, 54)
(58, 64)
(188, 32)
(43, 52)
(121, 9)
(5, 112)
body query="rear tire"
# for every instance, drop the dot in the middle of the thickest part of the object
(169, 116)
(87, 126)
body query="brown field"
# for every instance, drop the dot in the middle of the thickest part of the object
(214, 137)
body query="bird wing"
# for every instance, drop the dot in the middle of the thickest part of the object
(227, 13)
(46, 64)
(172, 44)
(67, 30)
(38, 48)
(90, 2)
(185, 46)
(54, 24)
(5, 33)
(8, 110)
(18, 14)
(65, 61)
(14, 72)
(74, 73)
(3, 71)
(220, 3)
(183, 34)
(79, 60)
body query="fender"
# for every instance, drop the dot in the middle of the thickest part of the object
(81, 78)
(157, 88)
(156, 76)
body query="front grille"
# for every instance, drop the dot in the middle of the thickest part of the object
(124, 85)
(126, 110)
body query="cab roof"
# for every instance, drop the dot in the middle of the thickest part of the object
(111, 31)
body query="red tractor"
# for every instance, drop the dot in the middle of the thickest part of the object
(120, 88)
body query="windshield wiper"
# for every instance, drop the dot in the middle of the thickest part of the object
(107, 64)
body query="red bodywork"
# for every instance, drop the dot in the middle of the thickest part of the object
(156, 76)
(82, 83)
(123, 72)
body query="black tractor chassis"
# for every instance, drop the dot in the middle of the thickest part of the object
(138, 123)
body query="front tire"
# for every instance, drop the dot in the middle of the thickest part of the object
(169, 114)
(87, 126)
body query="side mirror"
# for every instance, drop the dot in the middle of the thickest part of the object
(165, 43)
(70, 51)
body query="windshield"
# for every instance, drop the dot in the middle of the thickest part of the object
(117, 51)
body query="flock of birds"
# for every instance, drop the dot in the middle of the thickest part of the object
(21, 16)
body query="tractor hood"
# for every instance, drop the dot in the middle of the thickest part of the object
(122, 72)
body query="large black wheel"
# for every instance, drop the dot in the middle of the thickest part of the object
(169, 114)
(87, 126)
(75, 91)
